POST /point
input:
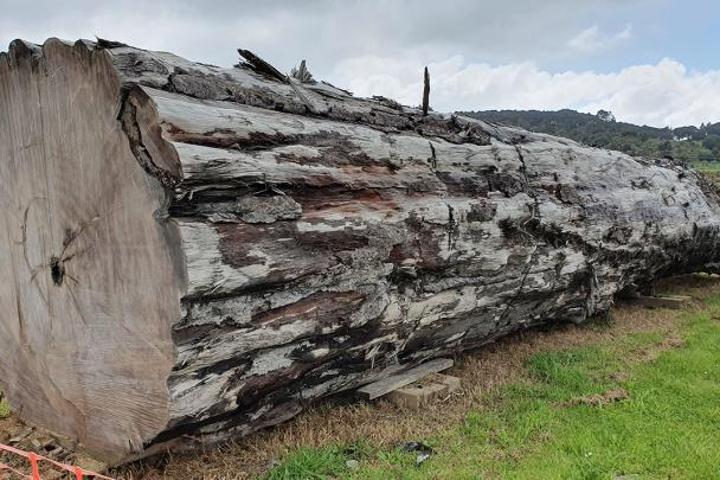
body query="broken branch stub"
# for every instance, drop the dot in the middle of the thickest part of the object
(302, 74)
(189, 253)
(426, 92)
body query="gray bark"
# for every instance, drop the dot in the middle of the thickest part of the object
(242, 243)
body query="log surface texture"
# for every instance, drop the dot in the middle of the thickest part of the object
(191, 253)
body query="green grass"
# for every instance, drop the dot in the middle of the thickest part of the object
(707, 167)
(669, 427)
(311, 464)
(4, 408)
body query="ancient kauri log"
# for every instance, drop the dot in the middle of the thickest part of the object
(190, 253)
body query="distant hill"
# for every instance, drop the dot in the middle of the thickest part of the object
(690, 144)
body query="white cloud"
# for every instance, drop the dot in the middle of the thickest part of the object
(664, 94)
(593, 39)
(322, 31)
(380, 47)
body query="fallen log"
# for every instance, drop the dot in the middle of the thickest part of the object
(191, 253)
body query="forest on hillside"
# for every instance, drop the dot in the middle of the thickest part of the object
(690, 144)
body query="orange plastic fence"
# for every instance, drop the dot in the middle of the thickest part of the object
(34, 460)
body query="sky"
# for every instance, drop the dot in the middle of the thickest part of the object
(650, 62)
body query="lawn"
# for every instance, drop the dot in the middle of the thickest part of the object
(4, 408)
(711, 170)
(642, 406)
(707, 167)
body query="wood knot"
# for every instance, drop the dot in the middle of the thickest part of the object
(57, 270)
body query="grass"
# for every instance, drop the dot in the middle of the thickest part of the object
(4, 408)
(707, 167)
(711, 171)
(539, 427)
(312, 464)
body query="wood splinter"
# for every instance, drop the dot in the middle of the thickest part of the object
(261, 66)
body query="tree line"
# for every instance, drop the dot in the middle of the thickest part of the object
(690, 144)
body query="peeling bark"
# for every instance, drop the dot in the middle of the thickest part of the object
(221, 247)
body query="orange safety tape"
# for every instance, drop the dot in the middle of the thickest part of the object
(34, 467)
(34, 460)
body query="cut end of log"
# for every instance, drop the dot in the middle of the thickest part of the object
(92, 288)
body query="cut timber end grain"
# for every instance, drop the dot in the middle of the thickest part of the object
(416, 396)
(192, 253)
(424, 391)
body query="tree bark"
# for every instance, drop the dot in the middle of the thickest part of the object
(193, 253)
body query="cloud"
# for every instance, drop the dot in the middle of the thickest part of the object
(663, 94)
(482, 54)
(324, 31)
(592, 39)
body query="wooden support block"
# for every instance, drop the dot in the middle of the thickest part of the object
(453, 383)
(389, 384)
(663, 301)
(417, 395)
(705, 275)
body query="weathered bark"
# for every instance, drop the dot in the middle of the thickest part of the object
(192, 253)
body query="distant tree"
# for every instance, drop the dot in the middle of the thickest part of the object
(712, 129)
(605, 115)
(666, 149)
(712, 143)
(684, 133)
(703, 129)
(687, 144)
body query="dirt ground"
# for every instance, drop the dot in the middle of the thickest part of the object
(381, 423)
